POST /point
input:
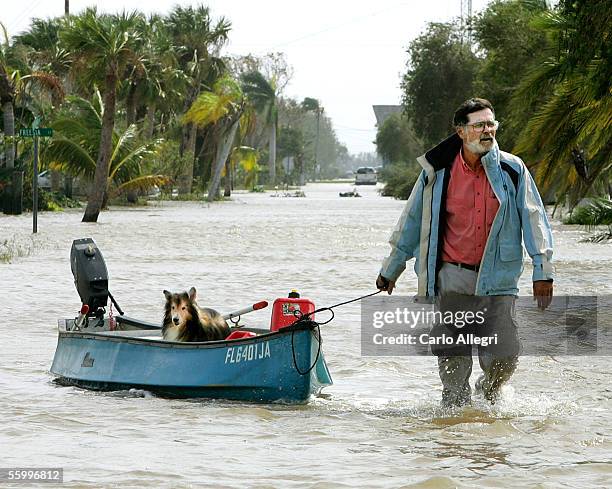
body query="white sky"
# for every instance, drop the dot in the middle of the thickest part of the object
(349, 54)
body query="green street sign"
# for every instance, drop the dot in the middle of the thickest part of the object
(43, 132)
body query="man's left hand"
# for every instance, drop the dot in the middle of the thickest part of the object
(543, 293)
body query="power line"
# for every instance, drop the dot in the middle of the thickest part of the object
(355, 128)
(338, 26)
(24, 13)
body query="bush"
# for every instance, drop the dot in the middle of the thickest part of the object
(595, 213)
(399, 178)
(13, 248)
(48, 201)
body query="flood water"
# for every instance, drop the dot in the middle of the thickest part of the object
(379, 425)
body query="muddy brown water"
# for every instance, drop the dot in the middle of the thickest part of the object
(379, 425)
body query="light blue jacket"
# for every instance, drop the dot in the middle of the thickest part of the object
(521, 218)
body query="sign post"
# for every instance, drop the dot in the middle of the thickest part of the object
(35, 189)
(35, 132)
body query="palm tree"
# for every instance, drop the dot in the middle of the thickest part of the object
(17, 79)
(45, 55)
(262, 94)
(158, 83)
(247, 159)
(101, 46)
(224, 107)
(197, 40)
(75, 144)
(7, 97)
(570, 130)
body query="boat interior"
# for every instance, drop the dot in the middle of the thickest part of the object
(135, 328)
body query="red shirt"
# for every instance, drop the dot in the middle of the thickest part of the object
(471, 206)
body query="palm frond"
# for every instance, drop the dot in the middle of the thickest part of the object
(246, 157)
(212, 106)
(142, 183)
(132, 159)
(5, 35)
(207, 109)
(66, 155)
(46, 80)
(124, 139)
(261, 93)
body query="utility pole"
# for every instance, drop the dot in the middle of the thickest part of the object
(312, 105)
(316, 168)
(466, 21)
(67, 178)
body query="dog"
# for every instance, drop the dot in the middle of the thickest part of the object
(185, 321)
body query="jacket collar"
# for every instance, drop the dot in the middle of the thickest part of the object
(443, 154)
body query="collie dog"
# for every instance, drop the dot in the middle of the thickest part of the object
(184, 320)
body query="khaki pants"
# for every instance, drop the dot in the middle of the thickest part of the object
(497, 360)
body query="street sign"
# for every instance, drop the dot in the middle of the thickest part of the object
(43, 132)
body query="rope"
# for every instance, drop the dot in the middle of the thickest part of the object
(303, 318)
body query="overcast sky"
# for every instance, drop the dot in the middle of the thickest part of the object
(349, 54)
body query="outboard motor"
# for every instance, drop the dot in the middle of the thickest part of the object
(287, 311)
(90, 275)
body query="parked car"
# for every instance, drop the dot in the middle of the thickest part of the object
(365, 175)
(154, 192)
(44, 180)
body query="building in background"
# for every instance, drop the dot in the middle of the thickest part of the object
(382, 113)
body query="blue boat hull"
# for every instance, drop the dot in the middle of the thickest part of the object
(263, 368)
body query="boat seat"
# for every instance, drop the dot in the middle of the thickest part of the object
(235, 335)
(136, 322)
(136, 333)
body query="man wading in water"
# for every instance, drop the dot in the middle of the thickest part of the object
(464, 222)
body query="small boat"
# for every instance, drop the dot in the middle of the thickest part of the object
(352, 193)
(100, 351)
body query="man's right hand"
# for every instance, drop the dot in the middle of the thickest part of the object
(383, 283)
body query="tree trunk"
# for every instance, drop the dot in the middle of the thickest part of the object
(272, 159)
(131, 103)
(188, 139)
(105, 199)
(56, 181)
(68, 186)
(9, 133)
(301, 176)
(7, 96)
(186, 179)
(228, 179)
(223, 152)
(150, 122)
(100, 182)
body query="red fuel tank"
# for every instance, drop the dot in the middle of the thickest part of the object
(284, 310)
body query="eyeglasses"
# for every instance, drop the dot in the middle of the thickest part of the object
(479, 126)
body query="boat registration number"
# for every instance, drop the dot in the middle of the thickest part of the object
(247, 353)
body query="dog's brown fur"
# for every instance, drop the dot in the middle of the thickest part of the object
(184, 320)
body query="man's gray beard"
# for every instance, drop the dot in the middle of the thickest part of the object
(478, 148)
